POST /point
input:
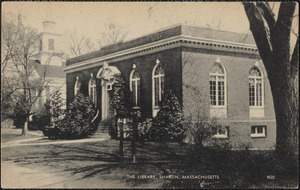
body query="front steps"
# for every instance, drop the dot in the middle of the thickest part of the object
(103, 131)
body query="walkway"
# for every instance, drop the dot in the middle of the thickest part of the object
(14, 176)
(30, 141)
(37, 137)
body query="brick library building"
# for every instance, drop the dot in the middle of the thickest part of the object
(219, 70)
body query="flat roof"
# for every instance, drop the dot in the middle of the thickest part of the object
(177, 30)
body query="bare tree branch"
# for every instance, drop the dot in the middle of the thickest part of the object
(112, 33)
(282, 32)
(259, 31)
(268, 14)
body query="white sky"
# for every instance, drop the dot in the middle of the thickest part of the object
(88, 18)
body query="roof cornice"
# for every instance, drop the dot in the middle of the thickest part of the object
(169, 43)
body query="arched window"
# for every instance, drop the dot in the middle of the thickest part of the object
(92, 89)
(135, 87)
(217, 81)
(255, 87)
(158, 80)
(77, 86)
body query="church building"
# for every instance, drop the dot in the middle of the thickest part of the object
(219, 70)
(49, 62)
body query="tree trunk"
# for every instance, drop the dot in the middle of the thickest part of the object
(287, 117)
(273, 41)
(25, 128)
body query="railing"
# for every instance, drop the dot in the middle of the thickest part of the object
(96, 116)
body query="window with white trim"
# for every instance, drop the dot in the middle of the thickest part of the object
(77, 86)
(255, 87)
(158, 80)
(135, 87)
(92, 89)
(258, 131)
(217, 81)
(221, 132)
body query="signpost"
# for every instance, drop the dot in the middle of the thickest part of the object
(127, 131)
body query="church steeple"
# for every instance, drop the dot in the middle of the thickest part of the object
(50, 44)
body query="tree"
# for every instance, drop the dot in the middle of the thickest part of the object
(20, 43)
(9, 35)
(168, 124)
(113, 32)
(273, 37)
(79, 44)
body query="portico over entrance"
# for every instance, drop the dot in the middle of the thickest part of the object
(107, 76)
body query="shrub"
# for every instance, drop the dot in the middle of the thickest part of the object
(77, 122)
(119, 99)
(144, 130)
(41, 119)
(113, 130)
(168, 124)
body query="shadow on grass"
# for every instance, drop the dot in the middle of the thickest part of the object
(101, 159)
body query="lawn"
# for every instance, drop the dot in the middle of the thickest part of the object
(159, 165)
(12, 134)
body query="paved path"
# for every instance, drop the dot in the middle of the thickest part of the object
(14, 176)
(30, 143)
(38, 136)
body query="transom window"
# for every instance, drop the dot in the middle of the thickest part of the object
(217, 79)
(255, 87)
(258, 131)
(158, 76)
(92, 89)
(135, 87)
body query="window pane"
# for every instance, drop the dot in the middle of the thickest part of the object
(251, 92)
(253, 130)
(94, 95)
(255, 72)
(213, 90)
(138, 92)
(135, 75)
(156, 91)
(159, 70)
(258, 93)
(222, 131)
(259, 129)
(221, 92)
(134, 93)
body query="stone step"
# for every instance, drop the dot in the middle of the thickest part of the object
(102, 131)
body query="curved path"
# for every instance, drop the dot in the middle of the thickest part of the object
(29, 142)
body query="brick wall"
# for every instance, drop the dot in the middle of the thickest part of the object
(170, 60)
(196, 67)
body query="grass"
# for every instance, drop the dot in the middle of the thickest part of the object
(92, 162)
(15, 136)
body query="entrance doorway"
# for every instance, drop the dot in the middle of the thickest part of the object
(104, 100)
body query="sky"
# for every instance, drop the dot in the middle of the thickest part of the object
(89, 18)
